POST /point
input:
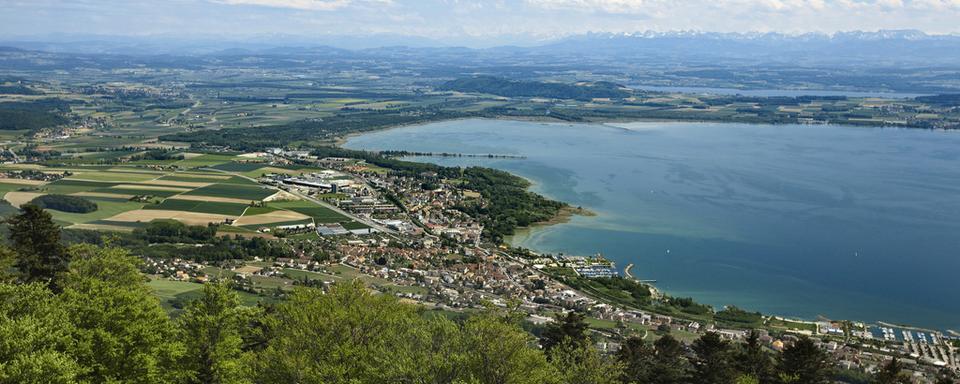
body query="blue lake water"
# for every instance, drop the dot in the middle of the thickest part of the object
(845, 222)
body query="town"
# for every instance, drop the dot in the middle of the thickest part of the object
(421, 248)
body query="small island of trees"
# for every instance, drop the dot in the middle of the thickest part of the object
(65, 203)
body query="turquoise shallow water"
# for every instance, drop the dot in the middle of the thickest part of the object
(845, 222)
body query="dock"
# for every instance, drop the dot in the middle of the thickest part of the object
(626, 272)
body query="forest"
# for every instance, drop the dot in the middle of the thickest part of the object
(65, 203)
(33, 114)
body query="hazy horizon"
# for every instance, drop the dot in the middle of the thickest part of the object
(461, 22)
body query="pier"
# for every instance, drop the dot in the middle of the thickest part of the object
(626, 272)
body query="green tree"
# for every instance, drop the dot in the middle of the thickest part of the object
(752, 360)
(947, 376)
(584, 365)
(499, 352)
(114, 266)
(121, 333)
(712, 360)
(805, 363)
(35, 335)
(891, 373)
(211, 328)
(565, 328)
(36, 240)
(8, 259)
(670, 367)
(638, 358)
(346, 335)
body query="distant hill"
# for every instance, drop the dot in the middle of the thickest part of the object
(946, 100)
(511, 88)
(843, 48)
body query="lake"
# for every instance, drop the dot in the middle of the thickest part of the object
(796, 220)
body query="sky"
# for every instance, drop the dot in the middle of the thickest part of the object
(453, 21)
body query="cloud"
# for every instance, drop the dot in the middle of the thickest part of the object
(608, 6)
(307, 5)
(452, 19)
(664, 6)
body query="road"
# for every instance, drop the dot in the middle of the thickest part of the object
(185, 112)
(370, 223)
(322, 203)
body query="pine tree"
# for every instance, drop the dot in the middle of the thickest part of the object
(753, 361)
(891, 373)
(670, 367)
(565, 328)
(36, 240)
(712, 362)
(806, 363)
(8, 259)
(638, 358)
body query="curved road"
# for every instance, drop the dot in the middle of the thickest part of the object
(322, 203)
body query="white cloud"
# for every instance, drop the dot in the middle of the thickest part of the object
(309, 5)
(664, 6)
(609, 6)
(440, 19)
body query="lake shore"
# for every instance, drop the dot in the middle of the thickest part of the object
(667, 268)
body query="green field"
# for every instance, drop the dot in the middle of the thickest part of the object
(136, 191)
(205, 160)
(319, 213)
(233, 191)
(65, 186)
(109, 176)
(95, 157)
(350, 225)
(787, 324)
(221, 208)
(125, 224)
(239, 167)
(231, 180)
(105, 208)
(4, 187)
(266, 208)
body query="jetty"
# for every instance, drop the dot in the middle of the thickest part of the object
(626, 272)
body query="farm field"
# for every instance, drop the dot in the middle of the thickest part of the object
(10, 187)
(105, 208)
(275, 217)
(113, 176)
(205, 178)
(318, 213)
(130, 196)
(239, 167)
(232, 209)
(205, 160)
(233, 191)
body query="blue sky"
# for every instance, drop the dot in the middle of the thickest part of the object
(450, 20)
